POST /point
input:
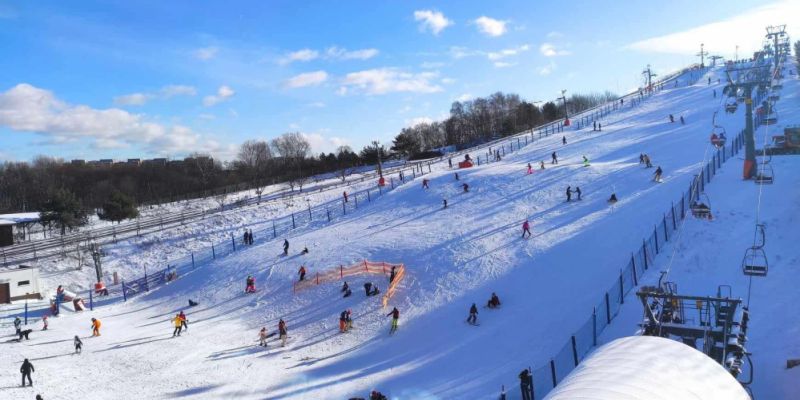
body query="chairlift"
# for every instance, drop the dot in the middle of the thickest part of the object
(718, 137)
(764, 174)
(731, 105)
(701, 207)
(755, 261)
(770, 119)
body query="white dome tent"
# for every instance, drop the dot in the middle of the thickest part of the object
(648, 368)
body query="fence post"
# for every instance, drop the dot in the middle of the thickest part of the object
(329, 214)
(594, 326)
(293, 225)
(666, 235)
(683, 207)
(26, 311)
(553, 371)
(633, 266)
(391, 180)
(213, 252)
(124, 292)
(193, 266)
(274, 232)
(644, 248)
(621, 289)
(574, 351)
(355, 196)
(655, 234)
(233, 242)
(674, 225)
(608, 310)
(341, 271)
(310, 218)
(344, 208)
(91, 300)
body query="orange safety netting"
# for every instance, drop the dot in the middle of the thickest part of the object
(364, 267)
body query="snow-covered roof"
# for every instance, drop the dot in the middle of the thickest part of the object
(648, 368)
(17, 218)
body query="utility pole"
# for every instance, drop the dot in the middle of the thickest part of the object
(736, 54)
(649, 77)
(702, 55)
(774, 33)
(564, 100)
(714, 60)
(748, 78)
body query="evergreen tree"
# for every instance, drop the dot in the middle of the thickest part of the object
(64, 210)
(118, 207)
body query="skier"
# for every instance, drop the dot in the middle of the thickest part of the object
(641, 158)
(530, 169)
(526, 228)
(578, 191)
(425, 184)
(541, 164)
(525, 384)
(621, 101)
(564, 140)
(283, 333)
(44, 322)
(569, 193)
(600, 126)
(466, 187)
(456, 175)
(345, 197)
(585, 161)
(17, 325)
(473, 315)
(285, 247)
(657, 174)
(78, 344)
(343, 322)
(367, 288)
(594, 127)
(683, 122)
(647, 163)
(395, 313)
(345, 287)
(26, 370)
(95, 327)
(302, 273)
(348, 321)
(709, 80)
(444, 202)
(178, 325)
(262, 337)
(671, 118)
(494, 302)
(250, 235)
(450, 162)
(246, 239)
(184, 321)
(392, 274)
(554, 158)
(250, 286)
(613, 198)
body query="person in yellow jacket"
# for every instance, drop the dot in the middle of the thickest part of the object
(95, 327)
(178, 322)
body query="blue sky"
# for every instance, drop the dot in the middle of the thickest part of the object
(120, 79)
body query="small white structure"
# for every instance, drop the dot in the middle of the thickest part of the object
(19, 283)
(648, 368)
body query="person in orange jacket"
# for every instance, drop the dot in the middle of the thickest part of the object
(302, 272)
(178, 323)
(95, 327)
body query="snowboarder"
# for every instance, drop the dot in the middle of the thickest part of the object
(285, 247)
(530, 169)
(473, 315)
(302, 273)
(578, 191)
(444, 203)
(395, 313)
(184, 321)
(494, 302)
(569, 193)
(525, 384)
(392, 274)
(683, 122)
(367, 288)
(671, 118)
(95, 327)
(78, 344)
(554, 158)
(25, 333)
(345, 287)
(305, 250)
(44, 322)
(345, 197)
(564, 140)
(613, 198)
(26, 370)
(466, 187)
(657, 174)
(178, 325)
(343, 322)
(193, 303)
(585, 161)
(262, 337)
(17, 325)
(526, 228)
(425, 184)
(250, 284)
(541, 164)
(283, 333)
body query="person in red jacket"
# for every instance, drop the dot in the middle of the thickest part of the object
(526, 228)
(302, 272)
(395, 313)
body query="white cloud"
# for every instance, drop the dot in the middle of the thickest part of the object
(133, 99)
(448, 81)
(418, 120)
(465, 97)
(555, 35)
(497, 55)
(547, 69)
(746, 30)
(206, 116)
(223, 93)
(490, 26)
(431, 65)
(321, 143)
(461, 52)
(316, 104)
(431, 20)
(206, 53)
(26, 108)
(550, 50)
(503, 64)
(307, 79)
(387, 80)
(344, 54)
(166, 92)
(299, 55)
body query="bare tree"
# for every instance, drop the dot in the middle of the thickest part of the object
(253, 162)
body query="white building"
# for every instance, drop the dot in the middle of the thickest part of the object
(19, 283)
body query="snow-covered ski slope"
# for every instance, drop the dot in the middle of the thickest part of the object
(709, 254)
(454, 257)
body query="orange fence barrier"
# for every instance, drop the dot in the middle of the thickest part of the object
(364, 267)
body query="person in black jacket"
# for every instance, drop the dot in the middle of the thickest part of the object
(526, 384)
(26, 370)
(473, 315)
(285, 247)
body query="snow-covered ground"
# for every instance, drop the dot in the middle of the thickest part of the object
(454, 257)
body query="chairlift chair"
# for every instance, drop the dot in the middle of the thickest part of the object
(764, 174)
(731, 106)
(755, 261)
(718, 133)
(701, 207)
